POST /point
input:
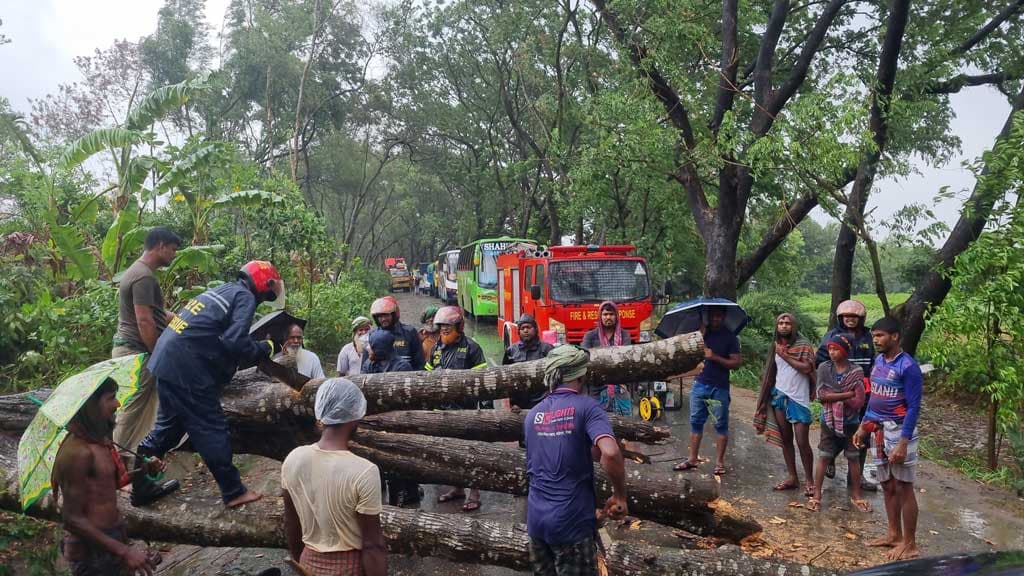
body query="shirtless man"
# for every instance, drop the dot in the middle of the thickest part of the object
(87, 473)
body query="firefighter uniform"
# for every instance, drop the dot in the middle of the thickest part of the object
(196, 355)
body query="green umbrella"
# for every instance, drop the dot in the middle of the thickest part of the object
(42, 439)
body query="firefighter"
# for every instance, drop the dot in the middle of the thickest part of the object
(386, 315)
(455, 351)
(529, 347)
(196, 355)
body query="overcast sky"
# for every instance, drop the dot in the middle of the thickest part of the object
(47, 34)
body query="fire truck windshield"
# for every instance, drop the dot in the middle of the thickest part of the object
(593, 280)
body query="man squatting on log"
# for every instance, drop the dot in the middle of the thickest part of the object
(332, 498)
(89, 471)
(565, 433)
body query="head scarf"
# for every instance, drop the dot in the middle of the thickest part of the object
(339, 401)
(428, 315)
(89, 422)
(841, 343)
(382, 342)
(526, 319)
(617, 334)
(798, 347)
(565, 364)
(360, 321)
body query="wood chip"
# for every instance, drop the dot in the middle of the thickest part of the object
(776, 520)
(635, 525)
(795, 505)
(933, 532)
(850, 536)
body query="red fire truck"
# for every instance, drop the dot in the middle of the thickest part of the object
(563, 286)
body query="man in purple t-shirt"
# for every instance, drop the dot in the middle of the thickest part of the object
(891, 418)
(565, 433)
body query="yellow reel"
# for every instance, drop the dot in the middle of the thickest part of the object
(645, 408)
(650, 408)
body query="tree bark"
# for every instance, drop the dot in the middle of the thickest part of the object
(846, 244)
(490, 425)
(974, 216)
(672, 499)
(456, 537)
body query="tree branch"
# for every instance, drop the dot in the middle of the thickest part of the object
(799, 72)
(961, 81)
(989, 27)
(729, 63)
(775, 236)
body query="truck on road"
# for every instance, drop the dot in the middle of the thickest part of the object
(401, 278)
(562, 287)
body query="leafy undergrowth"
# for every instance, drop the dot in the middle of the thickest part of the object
(28, 547)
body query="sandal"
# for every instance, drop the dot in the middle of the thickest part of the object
(813, 504)
(471, 505)
(786, 485)
(719, 470)
(862, 505)
(684, 466)
(451, 496)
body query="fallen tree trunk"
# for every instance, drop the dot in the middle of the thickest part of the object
(681, 501)
(492, 425)
(673, 499)
(456, 537)
(251, 394)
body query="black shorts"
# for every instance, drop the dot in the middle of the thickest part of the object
(831, 444)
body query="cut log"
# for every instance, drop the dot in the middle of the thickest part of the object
(672, 499)
(251, 394)
(195, 516)
(492, 425)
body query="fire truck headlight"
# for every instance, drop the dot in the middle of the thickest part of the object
(559, 329)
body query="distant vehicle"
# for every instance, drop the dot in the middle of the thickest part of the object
(446, 285)
(562, 287)
(478, 273)
(401, 279)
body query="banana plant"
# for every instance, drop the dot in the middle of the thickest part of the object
(67, 254)
(123, 143)
(201, 180)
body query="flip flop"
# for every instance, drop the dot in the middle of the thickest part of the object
(684, 466)
(862, 505)
(786, 485)
(719, 471)
(471, 505)
(813, 504)
(449, 497)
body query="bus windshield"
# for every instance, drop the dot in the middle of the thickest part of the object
(487, 273)
(578, 281)
(453, 262)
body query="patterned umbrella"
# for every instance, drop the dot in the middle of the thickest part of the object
(42, 439)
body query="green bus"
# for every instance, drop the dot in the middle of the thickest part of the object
(477, 273)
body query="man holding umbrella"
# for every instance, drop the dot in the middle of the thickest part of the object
(710, 390)
(88, 470)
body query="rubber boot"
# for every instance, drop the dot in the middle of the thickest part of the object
(144, 490)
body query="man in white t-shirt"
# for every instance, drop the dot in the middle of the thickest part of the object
(307, 362)
(332, 498)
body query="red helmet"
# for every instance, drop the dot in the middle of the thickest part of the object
(385, 305)
(451, 315)
(260, 277)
